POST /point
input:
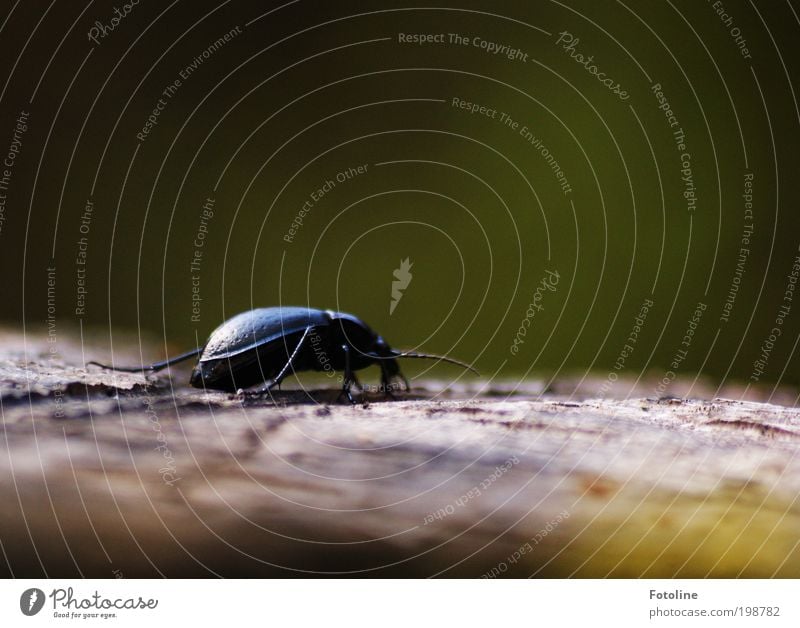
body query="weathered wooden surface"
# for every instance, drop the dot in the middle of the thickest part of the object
(148, 479)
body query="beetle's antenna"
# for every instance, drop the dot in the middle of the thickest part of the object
(157, 366)
(429, 356)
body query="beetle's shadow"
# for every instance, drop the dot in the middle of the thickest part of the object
(324, 397)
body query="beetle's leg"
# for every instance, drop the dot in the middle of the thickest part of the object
(388, 392)
(276, 381)
(386, 379)
(404, 379)
(349, 376)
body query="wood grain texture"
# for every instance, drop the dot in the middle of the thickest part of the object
(105, 474)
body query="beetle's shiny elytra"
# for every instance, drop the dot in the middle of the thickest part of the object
(265, 345)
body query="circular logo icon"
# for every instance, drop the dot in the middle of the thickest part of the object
(31, 601)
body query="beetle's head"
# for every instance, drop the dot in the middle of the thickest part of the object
(385, 357)
(381, 348)
(355, 333)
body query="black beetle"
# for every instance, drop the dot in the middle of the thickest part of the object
(267, 344)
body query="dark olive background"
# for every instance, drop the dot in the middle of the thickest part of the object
(314, 88)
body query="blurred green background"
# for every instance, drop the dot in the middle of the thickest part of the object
(306, 90)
